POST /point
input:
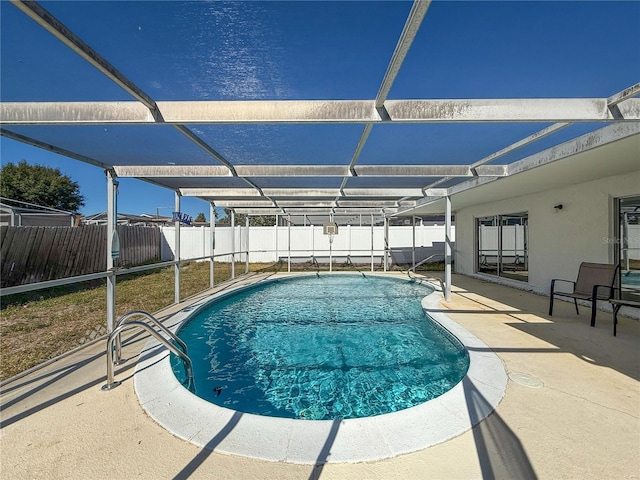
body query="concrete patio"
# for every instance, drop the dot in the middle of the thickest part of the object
(582, 422)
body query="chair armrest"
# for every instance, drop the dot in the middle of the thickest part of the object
(594, 294)
(553, 284)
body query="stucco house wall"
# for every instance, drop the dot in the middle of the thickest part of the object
(559, 240)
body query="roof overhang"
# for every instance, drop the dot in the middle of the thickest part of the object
(607, 152)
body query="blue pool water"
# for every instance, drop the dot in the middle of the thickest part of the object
(631, 279)
(322, 348)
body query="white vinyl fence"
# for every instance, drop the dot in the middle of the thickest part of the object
(268, 244)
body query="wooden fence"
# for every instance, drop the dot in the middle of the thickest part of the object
(37, 254)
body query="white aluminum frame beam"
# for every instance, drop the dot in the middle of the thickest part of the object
(312, 171)
(321, 111)
(345, 203)
(258, 211)
(219, 194)
(306, 204)
(168, 171)
(245, 203)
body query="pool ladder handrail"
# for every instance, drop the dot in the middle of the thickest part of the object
(422, 261)
(125, 323)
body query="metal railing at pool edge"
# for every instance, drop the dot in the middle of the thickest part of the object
(125, 323)
(118, 271)
(413, 268)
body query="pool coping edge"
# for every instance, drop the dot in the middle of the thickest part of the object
(320, 441)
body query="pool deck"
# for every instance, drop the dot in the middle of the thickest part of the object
(582, 420)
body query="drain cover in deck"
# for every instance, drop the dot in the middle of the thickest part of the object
(526, 380)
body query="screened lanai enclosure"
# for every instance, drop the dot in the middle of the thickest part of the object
(335, 111)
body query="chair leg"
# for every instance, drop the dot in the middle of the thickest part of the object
(594, 309)
(551, 305)
(575, 302)
(615, 319)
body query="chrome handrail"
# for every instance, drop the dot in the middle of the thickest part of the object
(124, 325)
(124, 319)
(423, 261)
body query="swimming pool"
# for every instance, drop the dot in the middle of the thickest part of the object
(322, 348)
(229, 431)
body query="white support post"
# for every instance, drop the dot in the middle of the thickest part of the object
(413, 244)
(447, 249)
(330, 247)
(372, 242)
(246, 243)
(289, 244)
(176, 268)
(233, 244)
(386, 243)
(275, 231)
(112, 215)
(212, 233)
(240, 242)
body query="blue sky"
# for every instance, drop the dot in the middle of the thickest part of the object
(306, 50)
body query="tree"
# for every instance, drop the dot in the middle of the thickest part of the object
(40, 185)
(200, 218)
(254, 221)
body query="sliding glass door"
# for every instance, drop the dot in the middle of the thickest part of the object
(628, 251)
(502, 246)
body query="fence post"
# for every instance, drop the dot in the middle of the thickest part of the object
(176, 256)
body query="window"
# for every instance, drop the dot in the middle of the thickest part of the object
(503, 246)
(628, 246)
